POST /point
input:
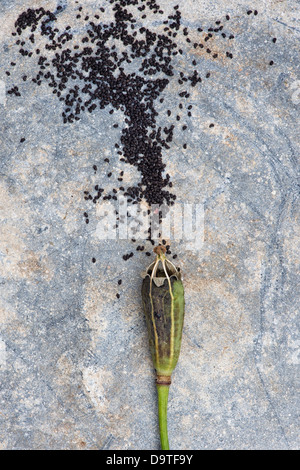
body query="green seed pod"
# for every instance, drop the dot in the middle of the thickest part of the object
(163, 301)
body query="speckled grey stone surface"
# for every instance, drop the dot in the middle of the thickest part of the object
(75, 370)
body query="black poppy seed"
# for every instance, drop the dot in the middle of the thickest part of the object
(22, 139)
(93, 260)
(274, 40)
(249, 12)
(211, 125)
(271, 62)
(118, 296)
(139, 148)
(120, 282)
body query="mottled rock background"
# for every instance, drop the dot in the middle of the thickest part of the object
(75, 370)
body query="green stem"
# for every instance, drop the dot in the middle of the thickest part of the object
(163, 392)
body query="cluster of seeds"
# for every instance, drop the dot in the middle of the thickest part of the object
(93, 71)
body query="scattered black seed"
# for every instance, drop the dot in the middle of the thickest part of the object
(91, 74)
(93, 260)
(126, 257)
(120, 282)
(271, 62)
(118, 296)
(249, 12)
(22, 139)
(211, 125)
(274, 40)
